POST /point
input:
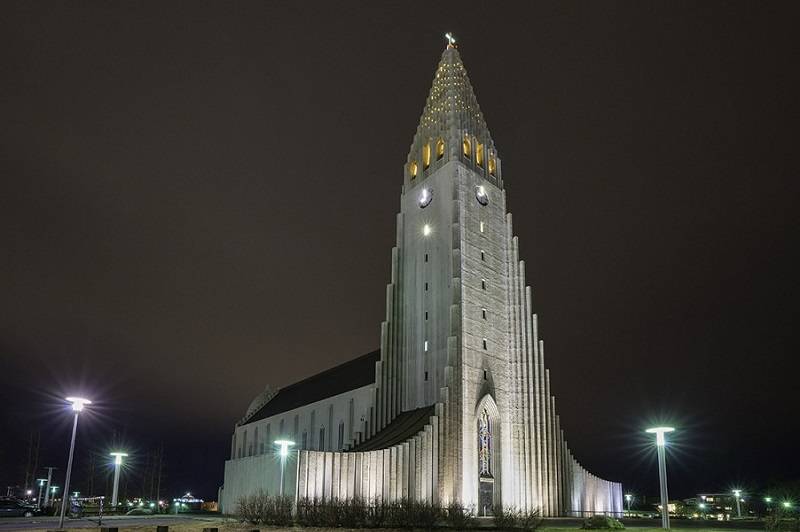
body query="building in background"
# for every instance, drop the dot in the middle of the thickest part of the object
(456, 405)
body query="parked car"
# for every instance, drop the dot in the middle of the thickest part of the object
(17, 508)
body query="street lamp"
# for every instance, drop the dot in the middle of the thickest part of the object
(77, 405)
(628, 499)
(41, 482)
(662, 471)
(787, 504)
(117, 464)
(738, 495)
(284, 451)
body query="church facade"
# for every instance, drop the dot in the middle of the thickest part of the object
(456, 404)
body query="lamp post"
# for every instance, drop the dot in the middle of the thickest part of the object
(41, 482)
(117, 465)
(283, 451)
(738, 495)
(662, 471)
(628, 499)
(77, 405)
(47, 487)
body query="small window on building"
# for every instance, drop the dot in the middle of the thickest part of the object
(439, 149)
(425, 346)
(426, 156)
(322, 439)
(426, 257)
(484, 344)
(483, 313)
(466, 148)
(484, 374)
(479, 154)
(483, 255)
(412, 169)
(492, 165)
(482, 227)
(426, 315)
(426, 286)
(483, 284)
(426, 376)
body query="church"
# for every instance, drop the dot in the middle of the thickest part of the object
(456, 404)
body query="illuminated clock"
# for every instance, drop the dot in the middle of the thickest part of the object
(481, 195)
(425, 197)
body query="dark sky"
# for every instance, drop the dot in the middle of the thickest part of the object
(198, 199)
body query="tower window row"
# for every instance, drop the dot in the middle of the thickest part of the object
(480, 154)
(413, 167)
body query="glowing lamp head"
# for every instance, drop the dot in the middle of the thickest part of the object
(78, 403)
(737, 492)
(702, 505)
(118, 457)
(28, 492)
(42, 481)
(628, 496)
(426, 230)
(659, 432)
(787, 504)
(284, 446)
(767, 500)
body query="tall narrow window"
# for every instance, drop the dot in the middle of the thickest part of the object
(483, 284)
(479, 153)
(341, 435)
(412, 169)
(484, 445)
(466, 148)
(426, 376)
(255, 443)
(483, 313)
(483, 255)
(482, 227)
(322, 439)
(425, 346)
(426, 257)
(484, 374)
(439, 149)
(426, 315)
(426, 156)
(484, 344)
(426, 286)
(492, 165)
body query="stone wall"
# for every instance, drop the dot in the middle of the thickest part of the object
(248, 476)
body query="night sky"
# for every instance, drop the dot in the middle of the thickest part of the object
(198, 199)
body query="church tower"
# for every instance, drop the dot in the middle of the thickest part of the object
(460, 409)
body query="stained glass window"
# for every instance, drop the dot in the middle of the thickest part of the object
(484, 445)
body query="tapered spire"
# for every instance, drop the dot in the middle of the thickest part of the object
(452, 126)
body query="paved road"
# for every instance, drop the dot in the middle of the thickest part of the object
(51, 523)
(574, 522)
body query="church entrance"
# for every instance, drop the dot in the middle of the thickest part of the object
(485, 464)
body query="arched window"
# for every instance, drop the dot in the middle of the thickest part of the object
(492, 165)
(479, 154)
(466, 148)
(426, 156)
(485, 466)
(412, 169)
(439, 149)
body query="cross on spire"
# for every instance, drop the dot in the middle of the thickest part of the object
(451, 40)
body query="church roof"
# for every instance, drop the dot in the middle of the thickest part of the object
(333, 381)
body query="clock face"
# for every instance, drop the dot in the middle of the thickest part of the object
(481, 195)
(425, 197)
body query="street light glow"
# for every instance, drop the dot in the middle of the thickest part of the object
(78, 403)
(659, 432)
(118, 457)
(787, 504)
(284, 446)
(767, 500)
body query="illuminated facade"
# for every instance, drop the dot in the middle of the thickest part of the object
(456, 405)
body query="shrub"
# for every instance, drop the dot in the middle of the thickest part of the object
(530, 521)
(459, 517)
(601, 522)
(506, 518)
(264, 509)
